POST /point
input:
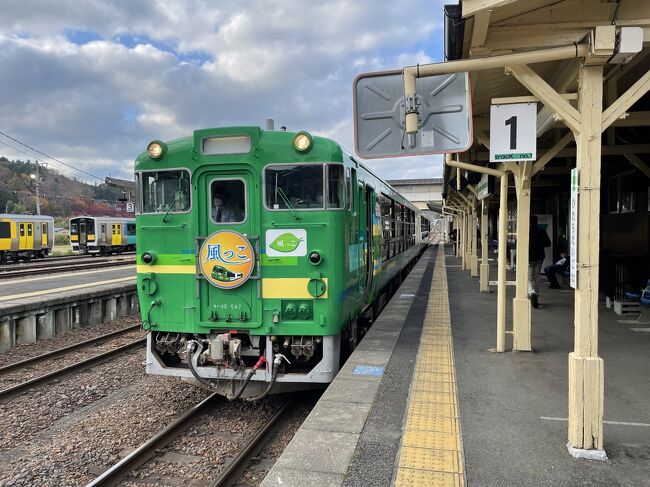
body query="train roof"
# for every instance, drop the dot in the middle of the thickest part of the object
(41, 218)
(112, 218)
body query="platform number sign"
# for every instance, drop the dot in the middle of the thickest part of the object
(513, 132)
(130, 207)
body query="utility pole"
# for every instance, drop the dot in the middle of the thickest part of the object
(37, 179)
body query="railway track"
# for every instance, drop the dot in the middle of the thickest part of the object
(33, 268)
(115, 474)
(76, 366)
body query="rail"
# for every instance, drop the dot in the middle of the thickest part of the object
(10, 391)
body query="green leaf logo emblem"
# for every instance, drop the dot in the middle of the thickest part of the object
(287, 242)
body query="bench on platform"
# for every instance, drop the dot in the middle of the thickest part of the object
(642, 300)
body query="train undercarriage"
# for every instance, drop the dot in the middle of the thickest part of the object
(239, 365)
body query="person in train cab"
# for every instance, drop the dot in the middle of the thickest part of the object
(538, 241)
(560, 267)
(224, 209)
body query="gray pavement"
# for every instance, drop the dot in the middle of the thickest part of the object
(51, 282)
(503, 398)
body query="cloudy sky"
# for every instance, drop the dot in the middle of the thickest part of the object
(90, 83)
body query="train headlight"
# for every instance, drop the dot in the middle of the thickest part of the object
(147, 258)
(155, 149)
(315, 257)
(302, 141)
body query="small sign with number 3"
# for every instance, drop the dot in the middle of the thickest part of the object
(513, 132)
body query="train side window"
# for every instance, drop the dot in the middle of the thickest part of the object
(353, 177)
(113, 226)
(228, 201)
(348, 187)
(103, 228)
(130, 228)
(29, 230)
(5, 230)
(164, 191)
(335, 186)
(22, 229)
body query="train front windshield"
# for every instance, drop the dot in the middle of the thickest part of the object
(164, 191)
(303, 186)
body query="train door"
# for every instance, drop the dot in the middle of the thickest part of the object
(83, 234)
(231, 289)
(113, 234)
(29, 242)
(369, 201)
(22, 236)
(102, 234)
(44, 241)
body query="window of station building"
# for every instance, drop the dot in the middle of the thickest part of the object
(165, 191)
(294, 186)
(228, 201)
(5, 230)
(622, 193)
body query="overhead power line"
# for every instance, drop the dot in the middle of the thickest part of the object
(50, 157)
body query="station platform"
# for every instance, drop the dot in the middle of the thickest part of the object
(76, 281)
(423, 401)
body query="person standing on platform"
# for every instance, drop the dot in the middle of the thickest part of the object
(538, 241)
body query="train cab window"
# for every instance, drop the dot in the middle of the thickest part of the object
(74, 228)
(335, 186)
(228, 201)
(294, 186)
(5, 230)
(165, 191)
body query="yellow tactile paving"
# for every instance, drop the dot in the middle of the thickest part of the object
(431, 451)
(418, 478)
(425, 439)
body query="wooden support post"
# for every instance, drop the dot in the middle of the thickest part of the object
(474, 241)
(466, 249)
(484, 279)
(501, 273)
(521, 319)
(586, 371)
(457, 226)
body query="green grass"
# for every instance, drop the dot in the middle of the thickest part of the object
(62, 250)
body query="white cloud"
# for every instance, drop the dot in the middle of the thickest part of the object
(97, 104)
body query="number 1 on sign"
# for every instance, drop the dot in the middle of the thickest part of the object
(512, 121)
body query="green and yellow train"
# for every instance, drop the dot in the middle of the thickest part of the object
(263, 256)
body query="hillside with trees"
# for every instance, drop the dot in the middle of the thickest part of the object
(61, 196)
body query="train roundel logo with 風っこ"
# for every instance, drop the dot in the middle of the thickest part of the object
(227, 259)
